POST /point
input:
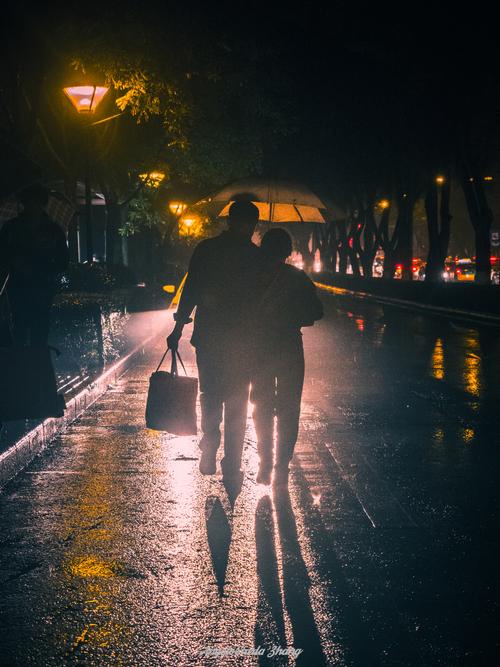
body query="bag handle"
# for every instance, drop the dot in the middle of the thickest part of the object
(2, 290)
(175, 355)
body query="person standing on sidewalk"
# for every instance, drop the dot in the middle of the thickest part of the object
(33, 251)
(222, 283)
(289, 302)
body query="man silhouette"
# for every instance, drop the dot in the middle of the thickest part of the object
(222, 284)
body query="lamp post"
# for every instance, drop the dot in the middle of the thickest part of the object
(86, 99)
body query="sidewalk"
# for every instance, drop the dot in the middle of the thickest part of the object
(27, 445)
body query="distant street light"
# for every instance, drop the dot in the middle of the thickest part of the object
(440, 180)
(189, 226)
(177, 208)
(86, 99)
(384, 203)
(153, 179)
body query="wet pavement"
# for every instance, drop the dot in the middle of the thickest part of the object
(116, 551)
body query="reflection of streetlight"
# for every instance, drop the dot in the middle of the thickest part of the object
(85, 100)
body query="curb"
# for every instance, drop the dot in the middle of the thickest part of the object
(19, 455)
(478, 318)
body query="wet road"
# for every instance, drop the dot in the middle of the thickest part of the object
(116, 551)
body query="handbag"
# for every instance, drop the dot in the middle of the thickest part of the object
(28, 388)
(171, 403)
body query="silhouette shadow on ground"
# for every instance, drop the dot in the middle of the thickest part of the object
(219, 539)
(270, 627)
(270, 624)
(233, 486)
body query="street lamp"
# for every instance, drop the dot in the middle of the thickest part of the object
(153, 179)
(188, 223)
(86, 99)
(177, 208)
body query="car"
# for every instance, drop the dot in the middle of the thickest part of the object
(465, 270)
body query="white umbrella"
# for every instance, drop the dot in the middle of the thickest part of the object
(277, 201)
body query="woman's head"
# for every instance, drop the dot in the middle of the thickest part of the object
(276, 244)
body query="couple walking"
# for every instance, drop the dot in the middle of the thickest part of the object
(250, 307)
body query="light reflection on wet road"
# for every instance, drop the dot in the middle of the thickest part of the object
(116, 551)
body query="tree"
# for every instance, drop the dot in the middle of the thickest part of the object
(437, 206)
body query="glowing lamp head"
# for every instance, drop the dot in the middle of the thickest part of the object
(384, 203)
(190, 225)
(85, 99)
(177, 207)
(440, 180)
(153, 179)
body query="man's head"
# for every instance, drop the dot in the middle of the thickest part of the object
(243, 218)
(276, 245)
(34, 198)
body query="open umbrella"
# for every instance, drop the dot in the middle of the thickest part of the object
(59, 209)
(277, 201)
